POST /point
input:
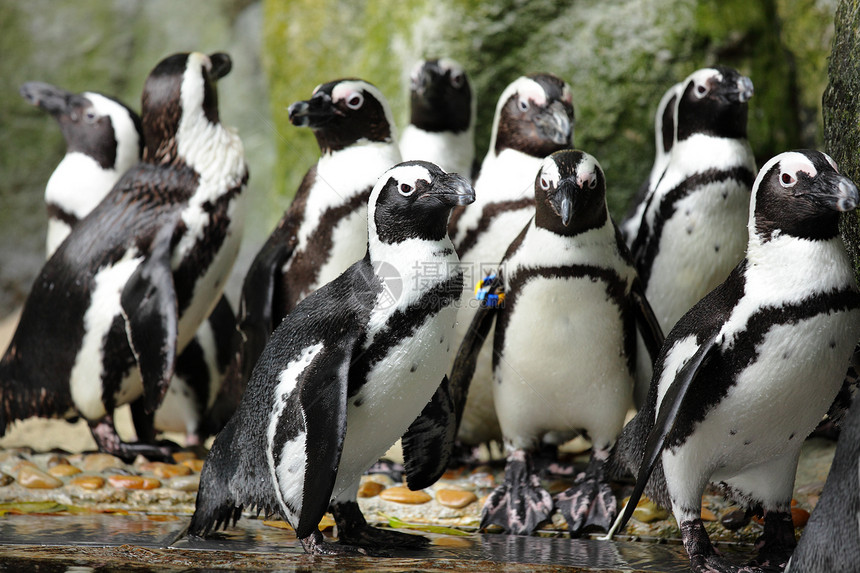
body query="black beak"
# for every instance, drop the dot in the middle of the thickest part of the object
(314, 112)
(562, 201)
(554, 124)
(424, 81)
(836, 192)
(221, 65)
(741, 91)
(450, 190)
(50, 98)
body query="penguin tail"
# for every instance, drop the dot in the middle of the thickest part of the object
(20, 398)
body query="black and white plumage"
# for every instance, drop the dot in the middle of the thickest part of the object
(569, 272)
(664, 138)
(130, 285)
(324, 230)
(750, 370)
(534, 118)
(441, 128)
(692, 230)
(103, 140)
(346, 373)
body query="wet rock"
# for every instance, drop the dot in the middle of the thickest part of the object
(400, 494)
(63, 470)
(180, 457)
(647, 511)
(164, 470)
(370, 488)
(195, 465)
(133, 482)
(708, 515)
(189, 483)
(734, 519)
(5, 479)
(88, 482)
(57, 460)
(799, 516)
(454, 498)
(100, 462)
(32, 477)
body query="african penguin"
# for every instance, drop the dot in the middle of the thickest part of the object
(130, 285)
(691, 234)
(103, 140)
(347, 373)
(569, 272)
(325, 228)
(664, 136)
(441, 129)
(750, 370)
(534, 117)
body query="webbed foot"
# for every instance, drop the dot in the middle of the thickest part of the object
(589, 502)
(109, 442)
(315, 544)
(353, 529)
(520, 504)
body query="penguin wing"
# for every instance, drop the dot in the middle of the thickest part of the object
(151, 314)
(467, 355)
(673, 402)
(646, 321)
(429, 441)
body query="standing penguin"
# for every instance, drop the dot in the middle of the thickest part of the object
(750, 370)
(664, 138)
(534, 118)
(441, 128)
(345, 375)
(325, 228)
(103, 140)
(570, 272)
(691, 234)
(132, 282)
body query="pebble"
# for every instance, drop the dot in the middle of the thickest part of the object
(165, 471)
(185, 483)
(63, 470)
(180, 457)
(370, 489)
(708, 515)
(5, 479)
(57, 460)
(455, 498)
(133, 482)
(88, 482)
(195, 465)
(400, 494)
(32, 477)
(100, 462)
(647, 511)
(734, 519)
(799, 516)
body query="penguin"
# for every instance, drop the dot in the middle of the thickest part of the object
(103, 140)
(325, 228)
(691, 234)
(570, 272)
(130, 285)
(664, 136)
(829, 542)
(354, 366)
(749, 371)
(534, 117)
(442, 117)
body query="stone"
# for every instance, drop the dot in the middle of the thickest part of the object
(647, 511)
(799, 516)
(165, 470)
(185, 483)
(195, 465)
(400, 494)
(32, 477)
(6, 479)
(88, 482)
(370, 488)
(455, 498)
(133, 482)
(63, 470)
(182, 457)
(99, 462)
(734, 518)
(57, 460)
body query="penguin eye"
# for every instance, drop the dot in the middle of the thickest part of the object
(544, 183)
(592, 182)
(406, 190)
(457, 79)
(787, 180)
(701, 91)
(90, 116)
(355, 101)
(524, 105)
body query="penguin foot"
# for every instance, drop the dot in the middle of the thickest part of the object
(520, 504)
(353, 529)
(108, 442)
(315, 544)
(776, 543)
(589, 502)
(703, 557)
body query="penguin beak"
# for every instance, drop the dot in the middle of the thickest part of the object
(221, 65)
(741, 91)
(835, 192)
(554, 124)
(450, 190)
(47, 97)
(315, 112)
(562, 201)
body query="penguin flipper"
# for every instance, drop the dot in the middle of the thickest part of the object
(647, 322)
(672, 403)
(429, 441)
(467, 355)
(151, 314)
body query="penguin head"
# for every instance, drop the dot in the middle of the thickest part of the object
(713, 101)
(441, 96)
(344, 112)
(413, 200)
(800, 194)
(180, 102)
(664, 120)
(534, 115)
(93, 124)
(570, 193)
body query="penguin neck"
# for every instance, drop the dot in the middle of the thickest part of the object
(506, 176)
(215, 152)
(353, 169)
(417, 261)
